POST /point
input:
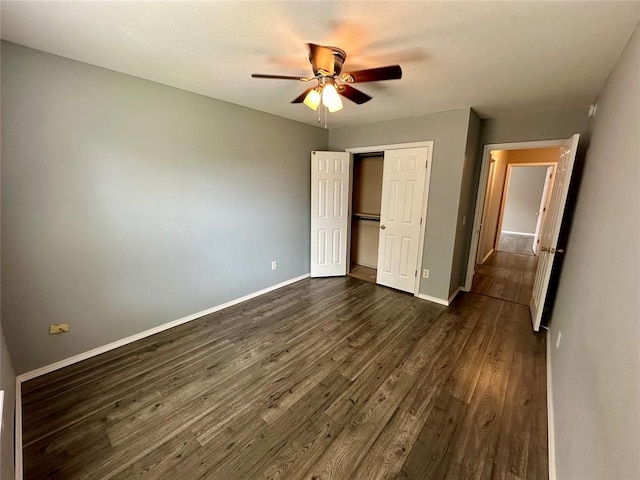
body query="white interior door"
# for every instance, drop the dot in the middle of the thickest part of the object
(551, 228)
(542, 210)
(403, 183)
(330, 176)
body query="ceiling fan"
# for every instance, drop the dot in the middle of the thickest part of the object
(326, 63)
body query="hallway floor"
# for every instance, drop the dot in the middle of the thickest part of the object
(513, 243)
(507, 276)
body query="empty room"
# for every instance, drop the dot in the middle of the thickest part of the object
(319, 240)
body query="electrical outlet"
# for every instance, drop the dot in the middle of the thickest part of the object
(425, 273)
(274, 265)
(58, 328)
(558, 339)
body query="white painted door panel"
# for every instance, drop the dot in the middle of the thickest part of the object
(330, 177)
(542, 210)
(551, 228)
(403, 183)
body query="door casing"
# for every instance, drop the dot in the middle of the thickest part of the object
(482, 187)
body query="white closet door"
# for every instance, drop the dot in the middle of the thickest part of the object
(403, 183)
(330, 175)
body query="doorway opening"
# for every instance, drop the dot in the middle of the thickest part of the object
(365, 218)
(538, 283)
(517, 191)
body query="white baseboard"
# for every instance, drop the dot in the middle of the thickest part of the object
(119, 343)
(486, 257)
(147, 333)
(550, 425)
(454, 295)
(519, 233)
(440, 301)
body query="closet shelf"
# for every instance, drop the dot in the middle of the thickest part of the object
(367, 216)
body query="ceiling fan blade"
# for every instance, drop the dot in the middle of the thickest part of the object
(302, 96)
(392, 72)
(322, 59)
(353, 94)
(279, 77)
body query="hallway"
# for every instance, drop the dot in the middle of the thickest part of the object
(507, 276)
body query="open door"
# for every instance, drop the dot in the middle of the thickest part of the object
(403, 183)
(330, 176)
(551, 228)
(542, 210)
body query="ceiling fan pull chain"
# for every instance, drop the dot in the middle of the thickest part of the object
(325, 118)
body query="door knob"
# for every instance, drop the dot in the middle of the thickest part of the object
(552, 250)
(382, 227)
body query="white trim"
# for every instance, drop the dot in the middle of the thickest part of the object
(138, 336)
(18, 431)
(518, 233)
(429, 298)
(482, 187)
(382, 148)
(423, 226)
(486, 257)
(440, 301)
(550, 423)
(454, 295)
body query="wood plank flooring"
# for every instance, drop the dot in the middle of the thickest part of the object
(367, 274)
(507, 276)
(324, 379)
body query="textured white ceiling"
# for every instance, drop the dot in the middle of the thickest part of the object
(501, 58)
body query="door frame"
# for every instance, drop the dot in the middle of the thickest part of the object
(505, 192)
(488, 200)
(482, 187)
(425, 198)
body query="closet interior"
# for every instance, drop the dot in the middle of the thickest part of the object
(365, 222)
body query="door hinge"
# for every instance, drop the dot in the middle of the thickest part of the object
(415, 274)
(421, 221)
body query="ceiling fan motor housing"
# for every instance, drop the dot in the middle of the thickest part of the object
(339, 56)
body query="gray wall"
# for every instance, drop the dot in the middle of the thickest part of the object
(523, 199)
(596, 379)
(448, 130)
(128, 204)
(468, 192)
(8, 384)
(536, 126)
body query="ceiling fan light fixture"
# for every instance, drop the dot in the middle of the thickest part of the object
(312, 100)
(331, 99)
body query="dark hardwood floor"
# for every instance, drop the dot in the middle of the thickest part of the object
(507, 276)
(367, 274)
(326, 378)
